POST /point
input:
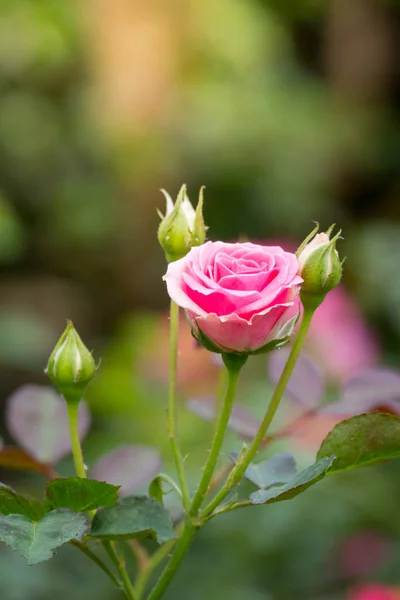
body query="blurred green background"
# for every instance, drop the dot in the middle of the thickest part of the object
(288, 112)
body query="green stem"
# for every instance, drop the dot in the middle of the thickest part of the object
(172, 483)
(219, 398)
(234, 364)
(80, 468)
(182, 547)
(83, 548)
(172, 419)
(154, 562)
(244, 460)
(222, 424)
(119, 562)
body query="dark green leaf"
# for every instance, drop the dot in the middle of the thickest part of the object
(12, 503)
(80, 494)
(155, 489)
(36, 541)
(133, 517)
(362, 440)
(277, 470)
(296, 486)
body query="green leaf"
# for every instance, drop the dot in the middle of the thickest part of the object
(362, 440)
(134, 517)
(155, 489)
(36, 541)
(277, 470)
(12, 503)
(81, 494)
(296, 486)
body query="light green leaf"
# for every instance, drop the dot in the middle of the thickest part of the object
(80, 494)
(134, 517)
(156, 490)
(296, 486)
(36, 541)
(362, 440)
(12, 503)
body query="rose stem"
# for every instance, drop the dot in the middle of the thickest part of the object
(171, 417)
(83, 548)
(190, 529)
(181, 548)
(222, 382)
(73, 419)
(244, 460)
(155, 560)
(234, 364)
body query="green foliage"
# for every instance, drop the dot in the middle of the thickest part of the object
(133, 517)
(362, 440)
(296, 486)
(37, 540)
(155, 489)
(80, 494)
(12, 503)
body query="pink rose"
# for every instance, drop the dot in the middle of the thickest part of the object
(242, 297)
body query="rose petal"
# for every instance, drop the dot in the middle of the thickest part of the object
(236, 294)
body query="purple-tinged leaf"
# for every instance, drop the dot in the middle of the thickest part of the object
(14, 458)
(369, 391)
(276, 470)
(306, 384)
(128, 466)
(37, 418)
(241, 420)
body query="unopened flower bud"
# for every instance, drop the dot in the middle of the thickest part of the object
(71, 366)
(320, 266)
(182, 227)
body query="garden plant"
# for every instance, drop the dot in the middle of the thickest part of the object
(240, 299)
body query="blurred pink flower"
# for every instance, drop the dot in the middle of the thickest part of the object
(363, 552)
(374, 592)
(340, 338)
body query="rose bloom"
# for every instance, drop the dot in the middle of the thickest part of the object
(241, 296)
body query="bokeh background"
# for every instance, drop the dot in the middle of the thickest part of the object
(288, 112)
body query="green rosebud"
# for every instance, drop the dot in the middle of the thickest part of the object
(71, 366)
(320, 266)
(182, 227)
